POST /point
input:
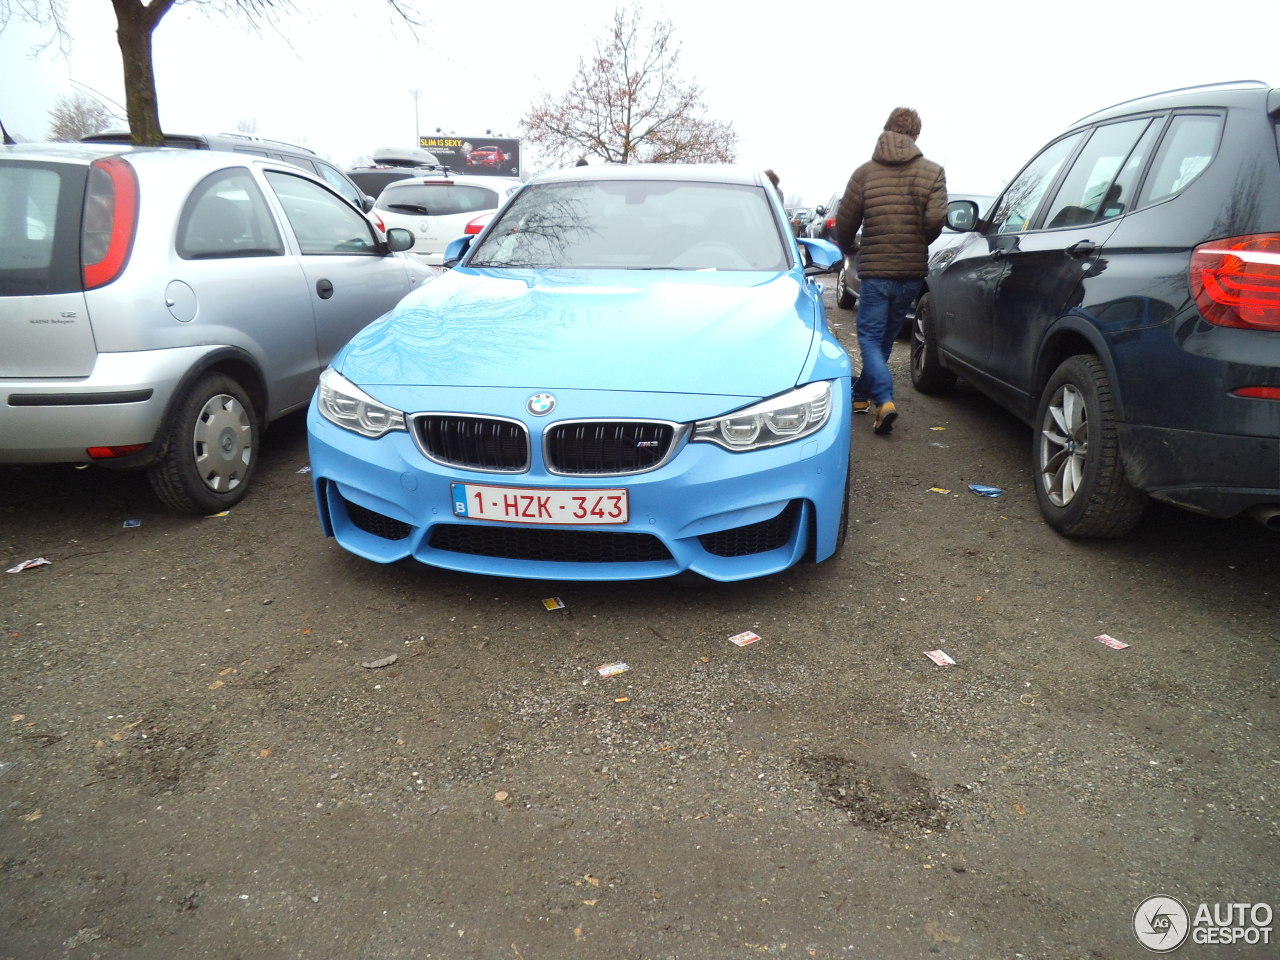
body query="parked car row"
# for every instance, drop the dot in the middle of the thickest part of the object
(512, 378)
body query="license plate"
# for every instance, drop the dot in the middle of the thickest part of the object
(537, 505)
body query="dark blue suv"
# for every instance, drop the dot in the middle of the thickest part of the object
(1122, 296)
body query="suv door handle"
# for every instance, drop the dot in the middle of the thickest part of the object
(1085, 248)
(324, 288)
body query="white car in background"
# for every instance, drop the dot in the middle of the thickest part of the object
(437, 209)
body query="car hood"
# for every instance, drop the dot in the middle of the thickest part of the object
(699, 332)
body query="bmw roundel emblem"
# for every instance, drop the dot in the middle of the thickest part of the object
(540, 404)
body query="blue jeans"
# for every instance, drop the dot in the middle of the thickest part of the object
(882, 306)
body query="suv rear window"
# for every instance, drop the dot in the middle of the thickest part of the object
(437, 199)
(40, 208)
(1188, 146)
(373, 182)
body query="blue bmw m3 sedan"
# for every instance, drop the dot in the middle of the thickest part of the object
(627, 375)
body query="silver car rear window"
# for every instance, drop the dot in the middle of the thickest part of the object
(40, 207)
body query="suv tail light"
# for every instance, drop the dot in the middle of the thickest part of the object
(109, 221)
(1236, 281)
(478, 224)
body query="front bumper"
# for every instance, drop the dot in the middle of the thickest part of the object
(726, 516)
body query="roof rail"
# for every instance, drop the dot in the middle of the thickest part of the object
(266, 142)
(1222, 85)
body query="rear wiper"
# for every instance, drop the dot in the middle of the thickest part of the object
(409, 208)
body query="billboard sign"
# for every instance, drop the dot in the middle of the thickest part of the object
(485, 155)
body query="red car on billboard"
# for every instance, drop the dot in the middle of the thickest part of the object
(489, 156)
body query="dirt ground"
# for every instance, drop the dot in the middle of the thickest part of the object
(197, 761)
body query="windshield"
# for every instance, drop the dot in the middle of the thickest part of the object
(636, 225)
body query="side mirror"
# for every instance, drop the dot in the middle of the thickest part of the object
(399, 239)
(366, 202)
(820, 210)
(821, 256)
(962, 216)
(456, 250)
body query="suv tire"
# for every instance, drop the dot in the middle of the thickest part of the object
(1080, 479)
(211, 448)
(845, 298)
(928, 375)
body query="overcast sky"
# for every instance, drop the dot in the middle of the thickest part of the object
(806, 88)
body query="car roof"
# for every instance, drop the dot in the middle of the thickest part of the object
(1234, 93)
(209, 141)
(196, 161)
(706, 172)
(84, 153)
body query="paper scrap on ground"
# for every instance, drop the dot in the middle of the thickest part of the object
(1111, 642)
(939, 490)
(28, 564)
(610, 669)
(553, 603)
(130, 524)
(742, 639)
(940, 658)
(383, 662)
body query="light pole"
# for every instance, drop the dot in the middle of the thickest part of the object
(417, 130)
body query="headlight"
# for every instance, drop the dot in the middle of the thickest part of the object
(766, 424)
(340, 401)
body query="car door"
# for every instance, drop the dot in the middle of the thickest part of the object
(351, 275)
(235, 282)
(1046, 268)
(964, 291)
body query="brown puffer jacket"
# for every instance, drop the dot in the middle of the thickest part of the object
(899, 199)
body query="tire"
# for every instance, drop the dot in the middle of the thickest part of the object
(210, 450)
(1079, 476)
(928, 375)
(843, 532)
(844, 297)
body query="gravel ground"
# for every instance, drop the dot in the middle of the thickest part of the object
(199, 762)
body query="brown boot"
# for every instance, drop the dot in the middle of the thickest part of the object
(886, 413)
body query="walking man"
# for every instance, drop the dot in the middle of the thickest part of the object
(899, 200)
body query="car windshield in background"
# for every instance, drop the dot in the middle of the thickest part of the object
(636, 225)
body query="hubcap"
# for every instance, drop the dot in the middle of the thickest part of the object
(1064, 445)
(222, 443)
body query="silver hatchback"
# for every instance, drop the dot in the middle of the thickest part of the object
(159, 307)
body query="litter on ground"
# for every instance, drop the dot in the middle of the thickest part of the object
(1111, 642)
(982, 490)
(940, 658)
(742, 639)
(28, 564)
(611, 669)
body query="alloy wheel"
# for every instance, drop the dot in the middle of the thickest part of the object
(1064, 445)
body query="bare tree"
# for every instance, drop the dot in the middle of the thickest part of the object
(136, 22)
(247, 125)
(627, 104)
(77, 116)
